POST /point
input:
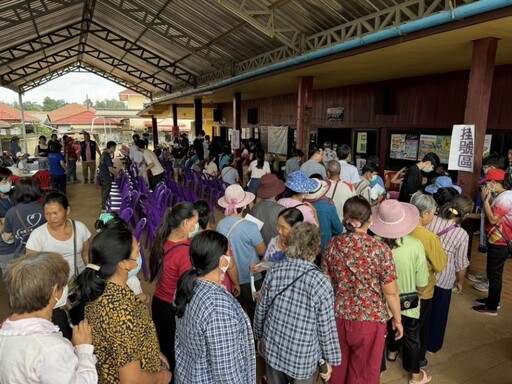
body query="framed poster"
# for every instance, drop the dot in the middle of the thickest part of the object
(404, 147)
(438, 144)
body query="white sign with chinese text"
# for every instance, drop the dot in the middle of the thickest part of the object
(235, 139)
(462, 148)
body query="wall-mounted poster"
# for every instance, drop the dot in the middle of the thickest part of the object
(361, 142)
(487, 145)
(278, 139)
(404, 146)
(335, 115)
(440, 145)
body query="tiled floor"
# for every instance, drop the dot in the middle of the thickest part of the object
(477, 350)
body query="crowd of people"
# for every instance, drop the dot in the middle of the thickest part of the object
(319, 272)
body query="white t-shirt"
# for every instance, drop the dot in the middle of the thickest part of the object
(135, 155)
(256, 173)
(150, 157)
(40, 240)
(211, 168)
(349, 173)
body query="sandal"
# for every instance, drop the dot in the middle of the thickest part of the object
(391, 356)
(425, 379)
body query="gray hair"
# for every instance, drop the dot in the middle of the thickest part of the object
(303, 242)
(424, 203)
(333, 167)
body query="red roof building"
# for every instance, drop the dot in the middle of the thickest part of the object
(67, 111)
(85, 118)
(12, 115)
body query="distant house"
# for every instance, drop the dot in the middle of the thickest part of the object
(43, 117)
(76, 117)
(11, 117)
(136, 102)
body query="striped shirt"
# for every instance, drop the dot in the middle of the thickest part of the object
(455, 243)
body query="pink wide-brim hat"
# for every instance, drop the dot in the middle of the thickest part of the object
(392, 219)
(235, 197)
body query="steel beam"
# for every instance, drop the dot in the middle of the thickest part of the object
(49, 77)
(87, 15)
(266, 20)
(23, 11)
(165, 28)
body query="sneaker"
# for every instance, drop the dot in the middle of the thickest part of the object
(423, 363)
(484, 302)
(482, 287)
(85, 181)
(477, 278)
(91, 181)
(484, 310)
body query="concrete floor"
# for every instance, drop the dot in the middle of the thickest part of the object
(477, 350)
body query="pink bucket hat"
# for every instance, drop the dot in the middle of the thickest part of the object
(235, 197)
(393, 219)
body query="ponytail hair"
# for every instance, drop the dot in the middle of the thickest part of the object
(356, 212)
(457, 208)
(205, 252)
(111, 246)
(173, 218)
(203, 211)
(260, 158)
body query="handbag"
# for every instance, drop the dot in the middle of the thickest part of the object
(509, 242)
(409, 301)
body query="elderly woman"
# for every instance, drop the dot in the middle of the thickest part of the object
(295, 313)
(298, 184)
(32, 350)
(169, 259)
(363, 274)
(245, 241)
(122, 330)
(455, 242)
(214, 340)
(412, 271)
(437, 261)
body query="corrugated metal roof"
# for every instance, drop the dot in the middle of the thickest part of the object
(151, 45)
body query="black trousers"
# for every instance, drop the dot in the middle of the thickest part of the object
(106, 186)
(154, 180)
(165, 324)
(425, 314)
(58, 182)
(411, 343)
(496, 257)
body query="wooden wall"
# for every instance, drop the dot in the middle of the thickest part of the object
(430, 102)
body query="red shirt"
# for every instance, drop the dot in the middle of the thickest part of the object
(359, 266)
(176, 263)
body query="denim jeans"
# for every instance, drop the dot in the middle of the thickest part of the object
(71, 170)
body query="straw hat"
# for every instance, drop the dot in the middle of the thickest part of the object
(317, 194)
(393, 219)
(270, 185)
(235, 197)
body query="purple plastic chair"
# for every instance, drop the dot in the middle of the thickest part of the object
(127, 216)
(138, 234)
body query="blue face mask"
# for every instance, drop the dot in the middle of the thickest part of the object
(133, 272)
(5, 188)
(194, 232)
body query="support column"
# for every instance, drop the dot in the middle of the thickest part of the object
(383, 138)
(154, 125)
(198, 116)
(23, 126)
(175, 129)
(304, 107)
(237, 116)
(477, 105)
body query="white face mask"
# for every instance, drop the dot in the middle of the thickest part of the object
(228, 259)
(63, 299)
(194, 232)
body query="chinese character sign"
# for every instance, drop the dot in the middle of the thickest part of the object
(462, 148)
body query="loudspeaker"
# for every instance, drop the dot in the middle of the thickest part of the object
(216, 115)
(384, 101)
(252, 116)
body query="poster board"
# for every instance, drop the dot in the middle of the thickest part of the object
(362, 140)
(277, 139)
(404, 146)
(235, 139)
(435, 143)
(462, 149)
(487, 145)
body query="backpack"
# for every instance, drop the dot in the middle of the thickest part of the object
(363, 189)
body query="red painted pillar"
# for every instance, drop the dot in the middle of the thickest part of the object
(304, 107)
(237, 116)
(477, 105)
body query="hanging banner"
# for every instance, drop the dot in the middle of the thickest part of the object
(462, 148)
(278, 139)
(335, 115)
(235, 139)
(487, 145)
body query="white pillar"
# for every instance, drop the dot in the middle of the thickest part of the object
(23, 128)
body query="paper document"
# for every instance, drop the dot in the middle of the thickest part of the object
(256, 221)
(376, 191)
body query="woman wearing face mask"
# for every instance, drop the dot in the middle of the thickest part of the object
(122, 331)
(369, 175)
(214, 340)
(6, 202)
(169, 259)
(413, 179)
(32, 350)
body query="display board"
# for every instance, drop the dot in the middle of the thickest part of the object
(404, 146)
(278, 140)
(438, 144)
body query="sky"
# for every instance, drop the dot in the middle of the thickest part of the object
(72, 87)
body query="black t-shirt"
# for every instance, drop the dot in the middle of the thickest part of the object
(105, 163)
(412, 183)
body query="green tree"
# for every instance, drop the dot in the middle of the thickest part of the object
(32, 106)
(88, 102)
(109, 104)
(50, 104)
